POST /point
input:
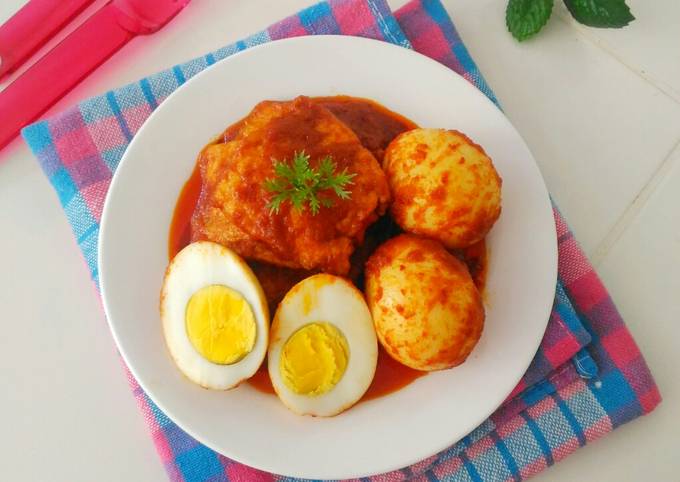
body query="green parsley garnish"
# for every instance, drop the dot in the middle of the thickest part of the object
(301, 183)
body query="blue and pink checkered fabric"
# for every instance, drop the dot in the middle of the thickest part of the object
(587, 378)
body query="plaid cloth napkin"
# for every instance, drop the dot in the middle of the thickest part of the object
(587, 378)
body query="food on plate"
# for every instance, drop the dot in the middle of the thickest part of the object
(291, 185)
(444, 186)
(427, 312)
(308, 189)
(323, 350)
(214, 316)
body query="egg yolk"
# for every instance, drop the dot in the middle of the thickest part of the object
(314, 359)
(220, 324)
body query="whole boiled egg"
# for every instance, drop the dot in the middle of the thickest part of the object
(323, 350)
(214, 315)
(444, 186)
(427, 311)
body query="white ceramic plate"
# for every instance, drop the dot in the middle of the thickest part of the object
(255, 428)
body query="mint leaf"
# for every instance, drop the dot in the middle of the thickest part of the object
(600, 13)
(525, 18)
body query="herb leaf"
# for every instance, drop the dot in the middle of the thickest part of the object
(300, 183)
(600, 13)
(524, 18)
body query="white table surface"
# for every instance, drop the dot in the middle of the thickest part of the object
(600, 109)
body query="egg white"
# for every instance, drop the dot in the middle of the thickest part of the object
(198, 265)
(318, 299)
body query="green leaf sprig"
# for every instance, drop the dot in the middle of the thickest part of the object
(525, 18)
(301, 184)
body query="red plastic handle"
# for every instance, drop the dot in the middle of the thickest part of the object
(28, 29)
(37, 89)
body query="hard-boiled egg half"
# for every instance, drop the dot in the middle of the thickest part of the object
(323, 349)
(215, 316)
